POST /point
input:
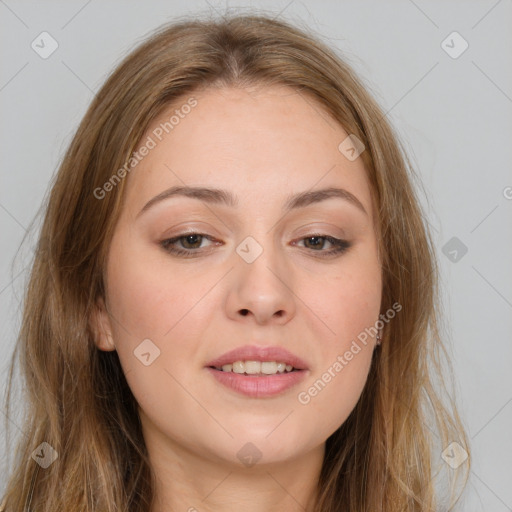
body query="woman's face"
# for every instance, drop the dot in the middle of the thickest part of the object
(252, 264)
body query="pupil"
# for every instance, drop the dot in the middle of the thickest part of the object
(315, 238)
(191, 239)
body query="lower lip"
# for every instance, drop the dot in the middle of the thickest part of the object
(259, 386)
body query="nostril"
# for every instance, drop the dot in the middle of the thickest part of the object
(244, 312)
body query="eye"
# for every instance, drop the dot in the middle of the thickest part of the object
(317, 242)
(190, 243)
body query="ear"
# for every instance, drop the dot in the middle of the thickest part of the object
(101, 328)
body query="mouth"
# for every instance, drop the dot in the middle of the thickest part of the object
(258, 372)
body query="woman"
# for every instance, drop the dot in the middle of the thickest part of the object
(234, 299)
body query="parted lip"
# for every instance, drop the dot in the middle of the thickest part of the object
(257, 353)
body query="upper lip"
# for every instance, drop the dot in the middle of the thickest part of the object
(257, 353)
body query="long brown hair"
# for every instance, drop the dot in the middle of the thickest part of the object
(78, 401)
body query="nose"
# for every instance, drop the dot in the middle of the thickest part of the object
(261, 291)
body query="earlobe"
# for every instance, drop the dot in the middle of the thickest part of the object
(100, 326)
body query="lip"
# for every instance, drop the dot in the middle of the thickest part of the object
(256, 353)
(258, 386)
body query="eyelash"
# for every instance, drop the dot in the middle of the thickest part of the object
(340, 246)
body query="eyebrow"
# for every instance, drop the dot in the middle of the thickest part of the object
(224, 197)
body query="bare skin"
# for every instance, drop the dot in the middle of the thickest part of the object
(262, 145)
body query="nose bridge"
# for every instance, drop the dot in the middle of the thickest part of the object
(261, 281)
(260, 259)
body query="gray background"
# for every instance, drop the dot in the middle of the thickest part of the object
(453, 114)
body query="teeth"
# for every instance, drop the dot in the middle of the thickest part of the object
(252, 367)
(238, 367)
(257, 367)
(269, 367)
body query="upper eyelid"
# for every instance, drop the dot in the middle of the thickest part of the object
(308, 231)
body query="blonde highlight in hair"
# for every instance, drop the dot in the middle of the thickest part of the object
(78, 400)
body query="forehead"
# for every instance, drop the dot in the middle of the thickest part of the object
(261, 143)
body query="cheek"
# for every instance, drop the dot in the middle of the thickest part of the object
(349, 305)
(353, 306)
(348, 301)
(155, 312)
(149, 299)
